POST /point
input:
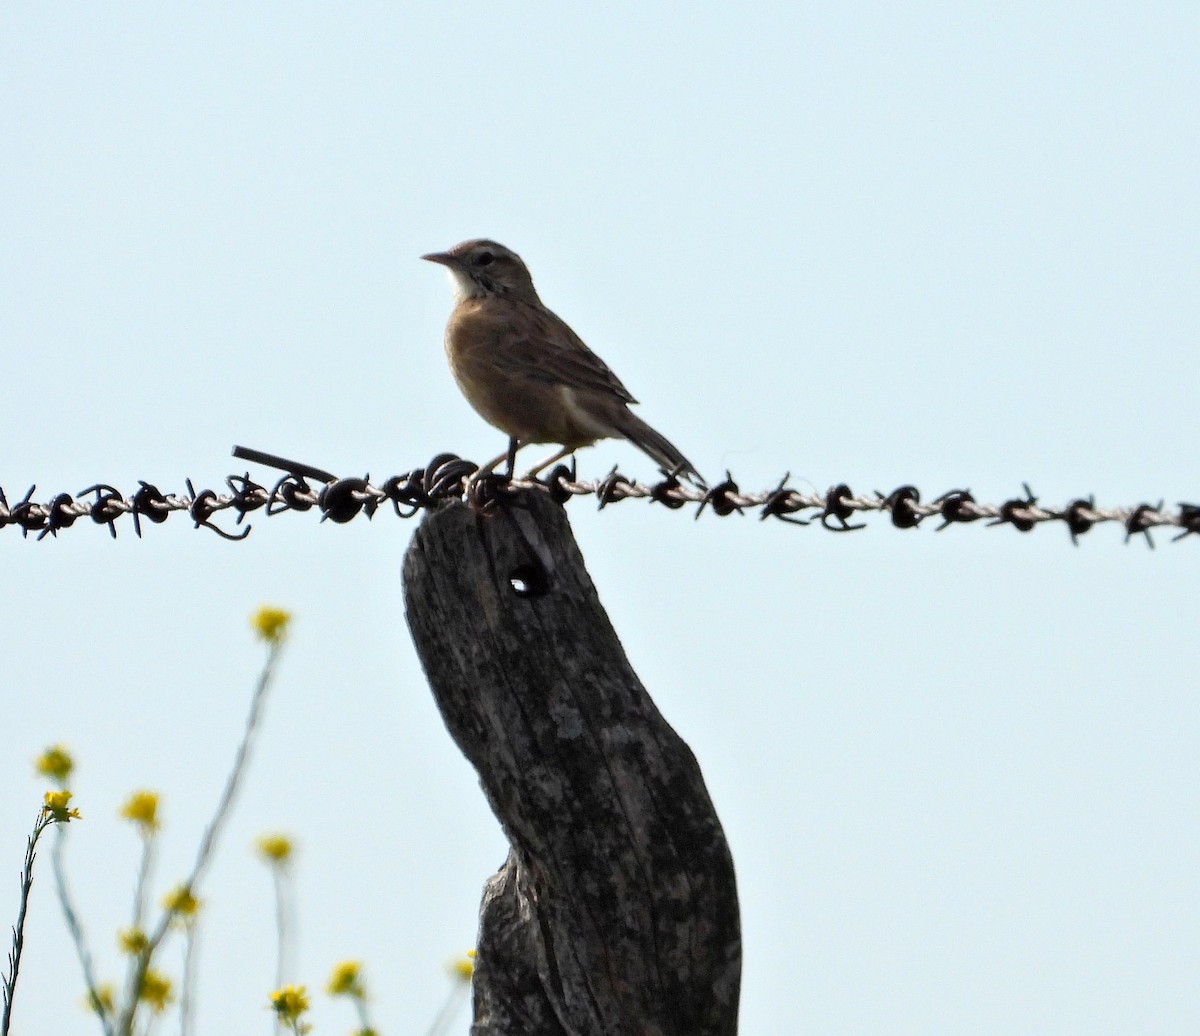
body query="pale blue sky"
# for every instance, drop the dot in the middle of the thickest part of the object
(934, 243)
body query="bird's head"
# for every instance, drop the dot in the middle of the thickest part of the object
(481, 268)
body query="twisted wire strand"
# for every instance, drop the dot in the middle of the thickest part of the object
(449, 477)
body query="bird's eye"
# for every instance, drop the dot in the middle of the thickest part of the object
(485, 258)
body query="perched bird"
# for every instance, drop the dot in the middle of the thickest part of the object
(526, 372)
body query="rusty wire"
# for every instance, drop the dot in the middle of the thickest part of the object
(449, 477)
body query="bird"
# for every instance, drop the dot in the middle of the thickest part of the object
(527, 373)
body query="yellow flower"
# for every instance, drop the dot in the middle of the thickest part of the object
(55, 803)
(55, 763)
(142, 808)
(156, 991)
(270, 624)
(275, 848)
(101, 1000)
(290, 1002)
(464, 967)
(346, 980)
(181, 902)
(132, 940)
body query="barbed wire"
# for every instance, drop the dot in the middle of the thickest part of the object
(449, 477)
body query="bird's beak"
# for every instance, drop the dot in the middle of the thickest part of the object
(445, 258)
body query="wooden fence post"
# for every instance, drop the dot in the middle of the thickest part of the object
(616, 912)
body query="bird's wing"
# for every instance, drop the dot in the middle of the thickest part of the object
(548, 350)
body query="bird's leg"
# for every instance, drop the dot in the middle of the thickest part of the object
(533, 472)
(509, 455)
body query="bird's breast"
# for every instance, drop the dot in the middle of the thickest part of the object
(515, 397)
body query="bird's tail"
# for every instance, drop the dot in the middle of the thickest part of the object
(657, 447)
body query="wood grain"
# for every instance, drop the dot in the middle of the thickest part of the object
(616, 911)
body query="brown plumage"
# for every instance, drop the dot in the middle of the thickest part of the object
(526, 372)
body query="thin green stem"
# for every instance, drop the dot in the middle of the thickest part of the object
(145, 866)
(44, 820)
(137, 972)
(75, 929)
(448, 1010)
(282, 926)
(209, 838)
(188, 985)
(364, 1021)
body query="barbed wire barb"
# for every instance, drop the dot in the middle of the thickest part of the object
(304, 487)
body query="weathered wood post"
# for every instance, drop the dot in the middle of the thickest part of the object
(616, 911)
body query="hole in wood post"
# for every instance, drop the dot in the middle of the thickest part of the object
(529, 581)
